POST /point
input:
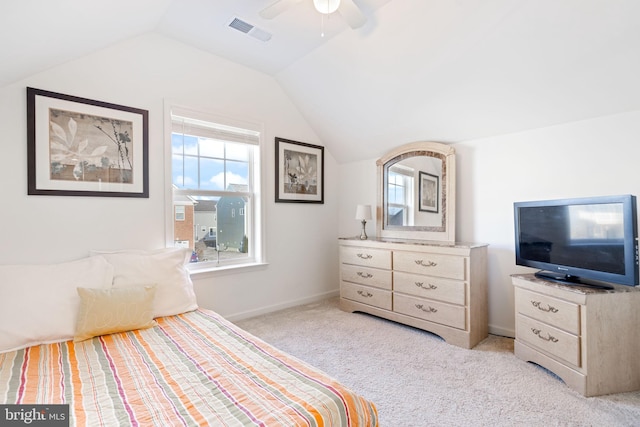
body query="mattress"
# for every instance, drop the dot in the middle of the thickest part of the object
(192, 369)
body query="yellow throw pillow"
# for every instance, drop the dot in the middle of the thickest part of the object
(107, 311)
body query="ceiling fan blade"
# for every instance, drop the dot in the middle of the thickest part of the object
(352, 14)
(277, 7)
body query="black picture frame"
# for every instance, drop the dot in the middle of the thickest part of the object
(299, 172)
(429, 190)
(83, 147)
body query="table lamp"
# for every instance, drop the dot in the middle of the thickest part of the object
(363, 213)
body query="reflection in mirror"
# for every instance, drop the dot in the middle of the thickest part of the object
(413, 190)
(417, 192)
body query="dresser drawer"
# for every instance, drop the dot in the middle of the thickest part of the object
(373, 296)
(452, 291)
(433, 311)
(378, 258)
(554, 341)
(555, 312)
(366, 276)
(452, 267)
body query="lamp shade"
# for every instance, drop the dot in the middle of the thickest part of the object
(326, 6)
(363, 212)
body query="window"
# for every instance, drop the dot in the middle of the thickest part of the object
(180, 213)
(399, 193)
(215, 179)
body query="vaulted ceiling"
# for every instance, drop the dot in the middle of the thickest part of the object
(443, 70)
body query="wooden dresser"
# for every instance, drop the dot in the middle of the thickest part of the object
(440, 287)
(588, 337)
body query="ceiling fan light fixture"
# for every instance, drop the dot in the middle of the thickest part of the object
(326, 6)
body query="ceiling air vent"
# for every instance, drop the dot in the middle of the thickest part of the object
(245, 27)
(240, 25)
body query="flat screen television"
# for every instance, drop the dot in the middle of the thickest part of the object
(583, 241)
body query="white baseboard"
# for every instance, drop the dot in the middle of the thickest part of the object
(503, 332)
(276, 307)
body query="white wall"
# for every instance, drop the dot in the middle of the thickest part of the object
(587, 158)
(358, 184)
(143, 73)
(593, 157)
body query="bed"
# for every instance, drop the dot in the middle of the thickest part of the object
(170, 363)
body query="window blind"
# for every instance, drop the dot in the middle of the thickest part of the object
(207, 129)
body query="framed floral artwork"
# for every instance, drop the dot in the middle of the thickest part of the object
(84, 147)
(299, 172)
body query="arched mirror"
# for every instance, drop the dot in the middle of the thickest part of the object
(416, 192)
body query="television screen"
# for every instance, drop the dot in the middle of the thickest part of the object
(576, 239)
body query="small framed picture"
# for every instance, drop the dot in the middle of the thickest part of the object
(299, 172)
(429, 189)
(84, 147)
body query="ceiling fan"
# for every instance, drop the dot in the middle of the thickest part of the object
(346, 8)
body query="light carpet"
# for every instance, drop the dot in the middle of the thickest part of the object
(417, 379)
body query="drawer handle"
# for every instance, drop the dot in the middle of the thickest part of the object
(365, 294)
(364, 275)
(426, 310)
(427, 287)
(549, 309)
(364, 256)
(425, 263)
(548, 338)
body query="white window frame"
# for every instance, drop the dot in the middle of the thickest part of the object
(255, 228)
(182, 211)
(407, 183)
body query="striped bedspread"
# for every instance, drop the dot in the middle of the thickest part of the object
(193, 369)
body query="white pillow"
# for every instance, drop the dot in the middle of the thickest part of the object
(39, 303)
(165, 268)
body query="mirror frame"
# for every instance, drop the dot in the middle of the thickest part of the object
(448, 200)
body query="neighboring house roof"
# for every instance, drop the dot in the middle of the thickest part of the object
(205, 206)
(241, 188)
(182, 199)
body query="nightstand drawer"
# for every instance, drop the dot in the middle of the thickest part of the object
(378, 258)
(448, 266)
(558, 313)
(429, 287)
(366, 295)
(433, 311)
(552, 340)
(366, 276)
